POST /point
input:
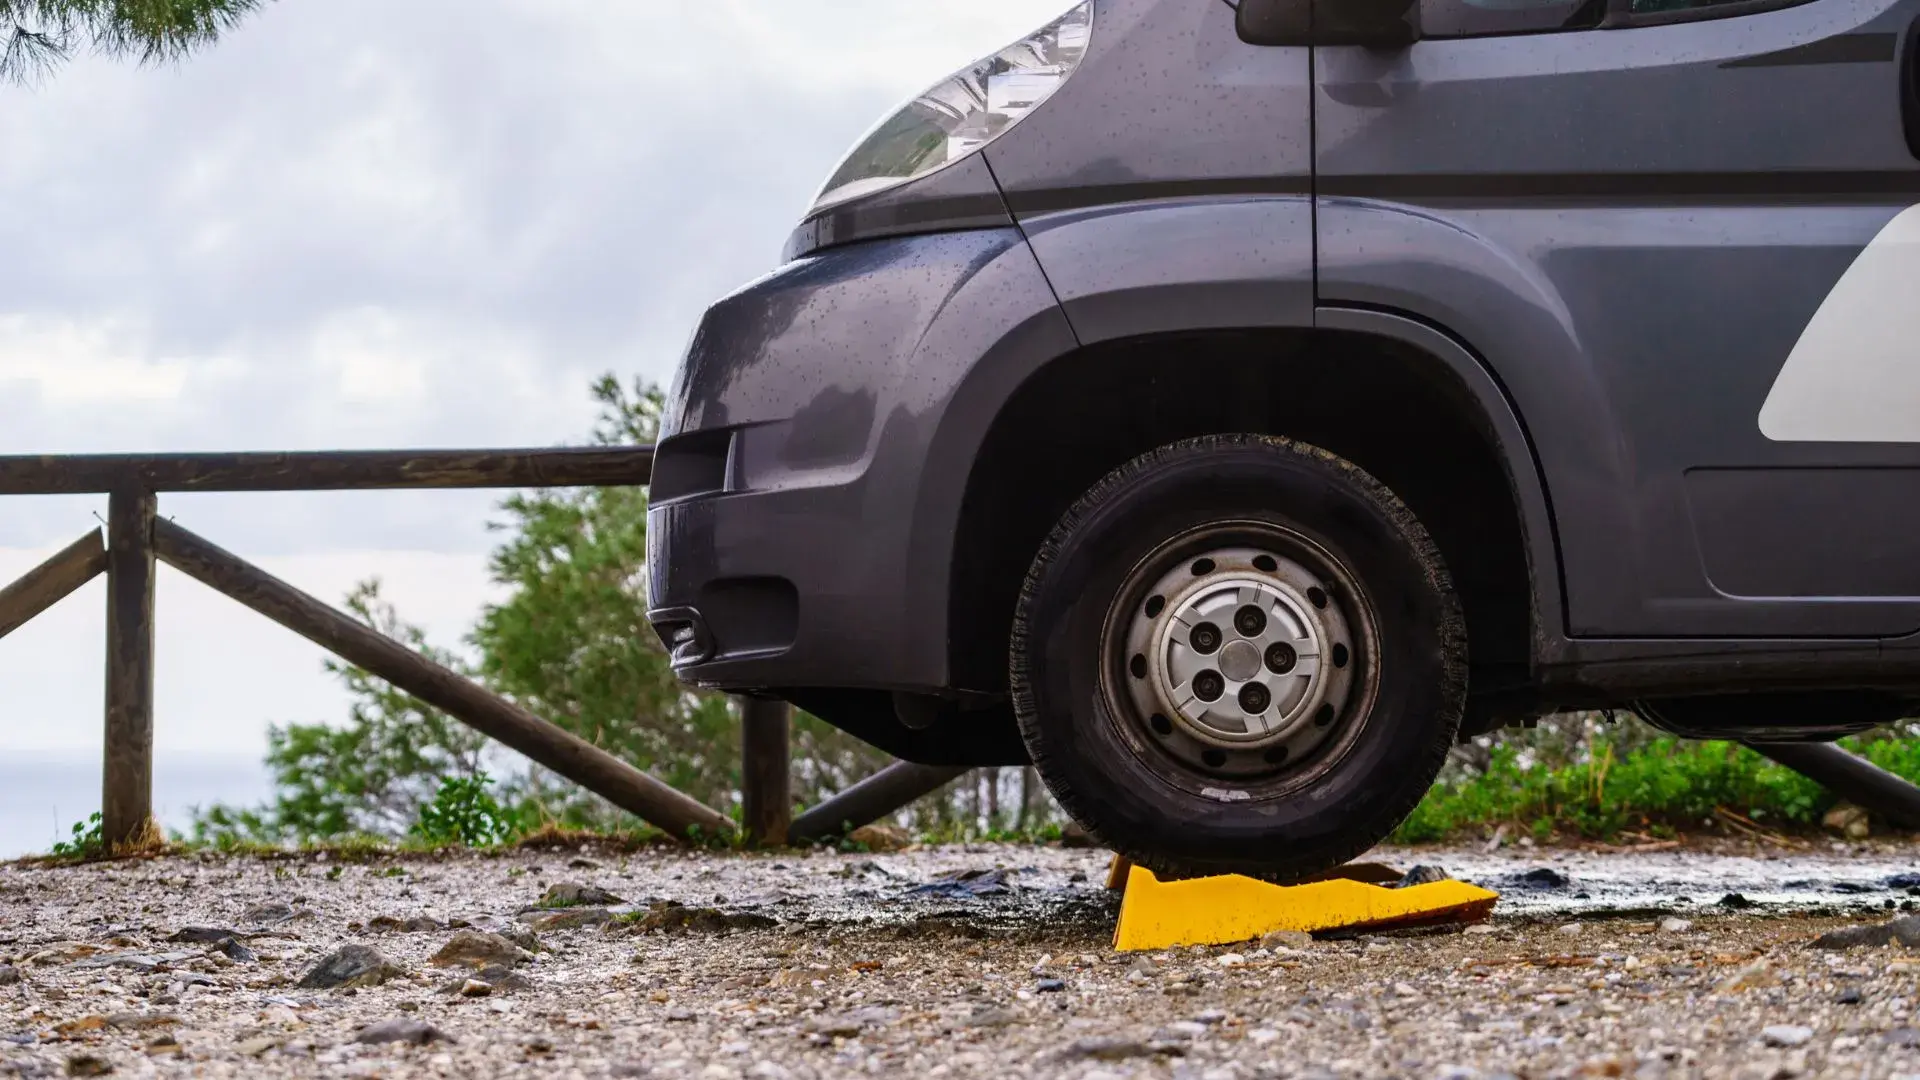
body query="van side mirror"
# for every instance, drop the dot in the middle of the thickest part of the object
(1374, 24)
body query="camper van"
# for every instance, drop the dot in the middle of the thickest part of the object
(1228, 407)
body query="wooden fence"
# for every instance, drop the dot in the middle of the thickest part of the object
(137, 538)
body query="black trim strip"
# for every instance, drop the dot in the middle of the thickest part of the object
(1792, 186)
(1053, 200)
(868, 221)
(1841, 49)
(1910, 88)
(1701, 12)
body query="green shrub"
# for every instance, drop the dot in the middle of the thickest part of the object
(88, 842)
(463, 813)
(1657, 787)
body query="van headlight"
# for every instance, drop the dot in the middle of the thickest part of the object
(964, 112)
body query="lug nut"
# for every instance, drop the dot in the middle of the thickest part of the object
(1281, 658)
(1205, 638)
(1208, 686)
(1254, 699)
(1250, 621)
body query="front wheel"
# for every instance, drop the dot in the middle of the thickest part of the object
(1239, 654)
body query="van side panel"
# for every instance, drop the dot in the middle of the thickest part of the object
(1634, 229)
(1168, 185)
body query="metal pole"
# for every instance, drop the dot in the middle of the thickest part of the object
(766, 766)
(872, 799)
(1851, 777)
(126, 792)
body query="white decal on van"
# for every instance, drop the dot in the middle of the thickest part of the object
(1855, 374)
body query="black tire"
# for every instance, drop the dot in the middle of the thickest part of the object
(1165, 790)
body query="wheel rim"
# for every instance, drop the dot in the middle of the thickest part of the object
(1240, 651)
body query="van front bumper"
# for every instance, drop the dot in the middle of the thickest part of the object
(816, 449)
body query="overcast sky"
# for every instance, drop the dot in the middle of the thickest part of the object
(373, 223)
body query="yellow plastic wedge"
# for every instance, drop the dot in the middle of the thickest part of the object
(1157, 914)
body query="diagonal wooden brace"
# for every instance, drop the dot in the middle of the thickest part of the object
(52, 581)
(557, 749)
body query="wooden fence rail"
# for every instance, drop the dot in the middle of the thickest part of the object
(137, 536)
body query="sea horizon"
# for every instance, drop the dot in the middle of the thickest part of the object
(43, 793)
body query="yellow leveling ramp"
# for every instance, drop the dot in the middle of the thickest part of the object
(1157, 914)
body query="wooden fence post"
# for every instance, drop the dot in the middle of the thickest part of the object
(126, 796)
(766, 767)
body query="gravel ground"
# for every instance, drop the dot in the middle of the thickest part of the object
(953, 961)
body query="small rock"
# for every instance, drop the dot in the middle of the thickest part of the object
(1849, 821)
(1212, 1017)
(473, 988)
(1675, 926)
(573, 918)
(1288, 939)
(1751, 977)
(583, 863)
(1570, 929)
(254, 1047)
(1422, 875)
(673, 916)
(134, 1021)
(1733, 901)
(401, 1030)
(568, 894)
(1230, 960)
(350, 966)
(268, 915)
(881, 838)
(1482, 928)
(1905, 1038)
(847, 1025)
(1786, 1035)
(1186, 1029)
(476, 949)
(163, 1043)
(416, 924)
(204, 935)
(233, 950)
(1902, 931)
(1050, 986)
(1544, 878)
(1850, 996)
(1104, 1050)
(88, 1065)
(10, 975)
(992, 1016)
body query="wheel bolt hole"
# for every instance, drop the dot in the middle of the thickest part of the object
(1276, 756)
(1156, 605)
(1317, 597)
(1208, 686)
(1255, 698)
(1341, 656)
(1281, 658)
(1266, 564)
(1323, 716)
(1205, 638)
(1214, 759)
(1250, 621)
(1161, 725)
(1202, 567)
(1138, 666)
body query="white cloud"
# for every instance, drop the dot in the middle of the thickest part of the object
(359, 223)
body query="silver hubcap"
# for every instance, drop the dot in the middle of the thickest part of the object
(1239, 660)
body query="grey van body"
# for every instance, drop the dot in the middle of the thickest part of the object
(1542, 283)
